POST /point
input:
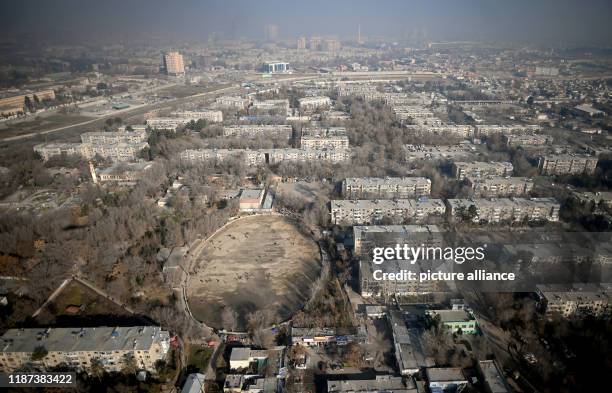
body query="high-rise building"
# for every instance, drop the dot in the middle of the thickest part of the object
(173, 63)
(314, 43)
(301, 43)
(271, 32)
(332, 45)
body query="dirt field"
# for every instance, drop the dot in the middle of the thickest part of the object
(255, 263)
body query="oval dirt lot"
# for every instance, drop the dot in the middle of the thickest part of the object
(254, 263)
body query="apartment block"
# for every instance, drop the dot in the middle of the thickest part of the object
(409, 351)
(599, 198)
(281, 107)
(461, 170)
(527, 140)
(576, 301)
(79, 347)
(249, 157)
(500, 186)
(167, 123)
(510, 129)
(359, 212)
(276, 156)
(324, 138)
(48, 150)
(233, 102)
(267, 156)
(412, 112)
(284, 131)
(460, 130)
(364, 235)
(313, 103)
(380, 384)
(122, 151)
(174, 64)
(385, 188)
(495, 210)
(97, 138)
(453, 152)
(210, 115)
(567, 164)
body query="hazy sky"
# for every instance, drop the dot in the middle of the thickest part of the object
(541, 21)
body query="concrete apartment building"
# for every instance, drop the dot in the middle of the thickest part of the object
(445, 379)
(210, 115)
(366, 236)
(371, 284)
(249, 157)
(112, 151)
(460, 130)
(124, 173)
(412, 112)
(409, 352)
(461, 169)
(493, 377)
(308, 104)
(166, 123)
(567, 164)
(385, 188)
(360, 212)
(599, 198)
(496, 210)
(49, 150)
(173, 63)
(276, 156)
(380, 384)
(510, 129)
(500, 186)
(98, 138)
(461, 151)
(284, 131)
(527, 140)
(233, 102)
(576, 301)
(324, 138)
(267, 156)
(281, 107)
(78, 347)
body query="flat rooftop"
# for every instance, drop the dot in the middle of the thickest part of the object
(102, 339)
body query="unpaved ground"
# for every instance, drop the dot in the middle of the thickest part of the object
(255, 263)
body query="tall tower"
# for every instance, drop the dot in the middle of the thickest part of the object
(359, 35)
(271, 32)
(173, 63)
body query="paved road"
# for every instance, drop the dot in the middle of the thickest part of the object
(130, 110)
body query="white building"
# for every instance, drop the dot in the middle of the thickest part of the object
(324, 138)
(359, 212)
(386, 188)
(313, 103)
(78, 348)
(461, 170)
(253, 130)
(496, 210)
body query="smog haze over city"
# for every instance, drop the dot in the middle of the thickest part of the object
(399, 196)
(552, 22)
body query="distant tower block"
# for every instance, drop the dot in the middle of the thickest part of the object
(92, 170)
